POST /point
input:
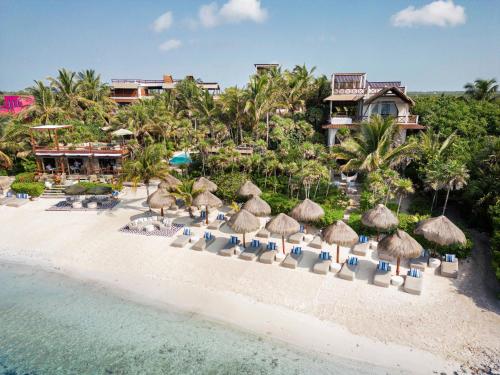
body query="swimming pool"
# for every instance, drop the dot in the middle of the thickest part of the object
(180, 159)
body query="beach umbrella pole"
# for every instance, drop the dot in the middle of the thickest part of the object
(338, 253)
(244, 240)
(206, 219)
(283, 241)
(161, 211)
(397, 266)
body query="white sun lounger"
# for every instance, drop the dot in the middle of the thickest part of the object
(382, 278)
(316, 242)
(202, 243)
(250, 252)
(292, 260)
(449, 269)
(296, 238)
(181, 240)
(229, 249)
(322, 266)
(361, 248)
(268, 256)
(413, 285)
(348, 271)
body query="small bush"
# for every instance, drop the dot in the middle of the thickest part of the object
(228, 185)
(3, 172)
(331, 216)
(35, 189)
(25, 177)
(279, 202)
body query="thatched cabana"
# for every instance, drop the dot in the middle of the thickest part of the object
(169, 183)
(307, 211)
(243, 222)
(341, 234)
(161, 199)
(283, 225)
(257, 206)
(441, 231)
(380, 218)
(204, 184)
(206, 199)
(249, 189)
(400, 245)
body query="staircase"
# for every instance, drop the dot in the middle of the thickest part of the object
(56, 191)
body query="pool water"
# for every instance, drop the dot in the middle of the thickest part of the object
(50, 324)
(180, 159)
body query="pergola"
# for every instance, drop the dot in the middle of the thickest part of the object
(52, 130)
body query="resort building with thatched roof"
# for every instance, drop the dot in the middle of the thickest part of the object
(354, 99)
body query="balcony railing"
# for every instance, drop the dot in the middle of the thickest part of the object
(408, 119)
(131, 80)
(91, 148)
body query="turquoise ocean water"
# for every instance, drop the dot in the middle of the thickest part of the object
(50, 324)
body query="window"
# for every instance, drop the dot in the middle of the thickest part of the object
(385, 109)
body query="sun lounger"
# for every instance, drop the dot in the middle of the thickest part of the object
(413, 282)
(252, 250)
(322, 266)
(316, 242)
(203, 242)
(268, 256)
(421, 262)
(16, 202)
(263, 233)
(449, 266)
(384, 256)
(349, 269)
(229, 248)
(217, 223)
(296, 238)
(361, 248)
(182, 239)
(292, 260)
(382, 275)
(6, 200)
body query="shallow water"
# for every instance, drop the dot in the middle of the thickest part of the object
(50, 324)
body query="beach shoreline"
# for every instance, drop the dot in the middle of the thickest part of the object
(381, 326)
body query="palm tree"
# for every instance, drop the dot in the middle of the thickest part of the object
(146, 165)
(186, 192)
(374, 147)
(431, 146)
(455, 178)
(403, 186)
(259, 102)
(45, 109)
(233, 104)
(482, 89)
(66, 86)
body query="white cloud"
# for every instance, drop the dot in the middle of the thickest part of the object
(163, 22)
(440, 13)
(233, 11)
(170, 44)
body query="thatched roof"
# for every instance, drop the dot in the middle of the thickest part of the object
(249, 189)
(160, 199)
(243, 222)
(283, 224)
(257, 206)
(379, 217)
(206, 198)
(204, 184)
(169, 183)
(340, 233)
(400, 244)
(307, 211)
(440, 230)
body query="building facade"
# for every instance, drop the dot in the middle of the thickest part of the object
(354, 100)
(13, 104)
(126, 91)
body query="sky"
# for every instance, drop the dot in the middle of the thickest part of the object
(428, 45)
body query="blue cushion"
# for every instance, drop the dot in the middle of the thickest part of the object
(384, 266)
(450, 257)
(208, 235)
(296, 250)
(352, 261)
(203, 214)
(324, 255)
(271, 246)
(234, 240)
(255, 243)
(301, 230)
(220, 217)
(187, 231)
(413, 272)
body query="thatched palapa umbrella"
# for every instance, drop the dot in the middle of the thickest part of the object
(307, 211)
(440, 230)
(249, 189)
(169, 183)
(400, 245)
(204, 184)
(161, 199)
(341, 234)
(284, 225)
(380, 218)
(243, 222)
(206, 199)
(257, 206)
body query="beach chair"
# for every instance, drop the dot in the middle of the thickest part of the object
(361, 248)
(7, 199)
(268, 256)
(229, 248)
(252, 251)
(421, 262)
(263, 233)
(182, 239)
(349, 269)
(296, 238)
(316, 242)
(385, 257)
(292, 260)
(449, 266)
(382, 275)
(203, 242)
(201, 220)
(322, 266)
(413, 282)
(217, 223)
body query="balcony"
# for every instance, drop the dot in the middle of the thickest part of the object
(343, 120)
(88, 150)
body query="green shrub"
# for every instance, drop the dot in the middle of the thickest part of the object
(279, 202)
(25, 177)
(494, 211)
(355, 223)
(3, 172)
(29, 165)
(35, 189)
(228, 185)
(331, 216)
(420, 205)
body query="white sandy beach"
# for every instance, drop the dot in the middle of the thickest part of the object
(449, 325)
